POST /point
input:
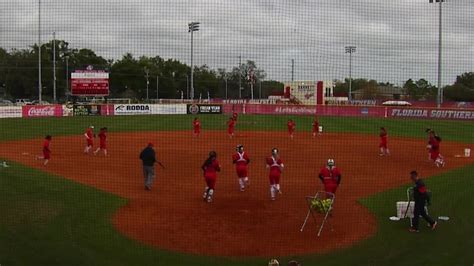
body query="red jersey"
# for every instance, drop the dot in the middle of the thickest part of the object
(211, 169)
(383, 136)
(330, 176)
(46, 145)
(315, 126)
(434, 145)
(231, 123)
(102, 137)
(291, 125)
(89, 134)
(240, 159)
(196, 125)
(275, 165)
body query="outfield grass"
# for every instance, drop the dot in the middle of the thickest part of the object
(47, 220)
(18, 128)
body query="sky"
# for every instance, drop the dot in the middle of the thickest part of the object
(395, 40)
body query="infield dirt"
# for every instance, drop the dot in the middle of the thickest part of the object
(174, 217)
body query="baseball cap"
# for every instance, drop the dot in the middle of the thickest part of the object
(150, 144)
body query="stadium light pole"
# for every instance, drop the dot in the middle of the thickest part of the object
(54, 68)
(67, 73)
(440, 43)
(350, 50)
(187, 86)
(225, 79)
(192, 27)
(40, 86)
(147, 75)
(240, 77)
(157, 87)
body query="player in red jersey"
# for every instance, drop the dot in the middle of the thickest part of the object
(46, 150)
(383, 146)
(89, 135)
(102, 141)
(291, 127)
(210, 167)
(231, 127)
(431, 140)
(330, 176)
(275, 164)
(241, 161)
(435, 154)
(196, 127)
(315, 127)
(235, 115)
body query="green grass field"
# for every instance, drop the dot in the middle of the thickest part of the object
(47, 220)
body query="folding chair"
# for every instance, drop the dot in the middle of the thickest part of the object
(321, 204)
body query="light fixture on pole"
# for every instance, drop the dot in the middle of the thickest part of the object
(350, 50)
(192, 27)
(439, 99)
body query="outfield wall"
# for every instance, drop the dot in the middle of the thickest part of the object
(32, 111)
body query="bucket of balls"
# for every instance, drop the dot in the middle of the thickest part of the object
(321, 206)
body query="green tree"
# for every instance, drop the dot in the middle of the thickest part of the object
(462, 89)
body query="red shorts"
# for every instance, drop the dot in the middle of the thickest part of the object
(90, 142)
(434, 155)
(46, 155)
(103, 145)
(383, 145)
(274, 179)
(242, 171)
(197, 131)
(330, 187)
(291, 131)
(210, 182)
(230, 130)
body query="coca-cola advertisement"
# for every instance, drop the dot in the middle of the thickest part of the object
(42, 110)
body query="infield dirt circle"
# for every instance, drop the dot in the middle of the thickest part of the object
(174, 217)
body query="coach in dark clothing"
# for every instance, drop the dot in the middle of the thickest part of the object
(148, 157)
(420, 196)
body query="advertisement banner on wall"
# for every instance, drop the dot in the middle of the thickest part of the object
(86, 109)
(42, 110)
(204, 109)
(132, 109)
(10, 111)
(431, 113)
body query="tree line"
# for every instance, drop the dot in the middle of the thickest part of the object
(169, 78)
(129, 76)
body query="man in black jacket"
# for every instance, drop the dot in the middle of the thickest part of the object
(420, 196)
(148, 158)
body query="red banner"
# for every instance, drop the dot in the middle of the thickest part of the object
(42, 110)
(328, 110)
(304, 110)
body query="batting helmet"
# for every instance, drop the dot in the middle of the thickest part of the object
(274, 151)
(330, 162)
(212, 154)
(239, 147)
